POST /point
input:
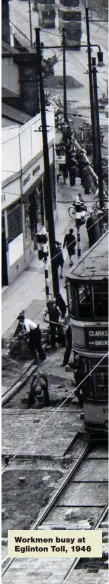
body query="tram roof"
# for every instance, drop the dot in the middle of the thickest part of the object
(94, 263)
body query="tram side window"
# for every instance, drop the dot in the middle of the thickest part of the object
(101, 384)
(84, 302)
(100, 377)
(100, 301)
(71, 299)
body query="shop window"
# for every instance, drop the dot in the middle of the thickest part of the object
(27, 222)
(84, 302)
(39, 205)
(101, 301)
(15, 226)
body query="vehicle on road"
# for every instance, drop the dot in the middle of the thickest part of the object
(47, 13)
(69, 16)
(87, 296)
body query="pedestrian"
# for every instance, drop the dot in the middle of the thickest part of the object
(58, 257)
(61, 304)
(86, 178)
(73, 171)
(70, 243)
(68, 343)
(35, 337)
(92, 226)
(54, 316)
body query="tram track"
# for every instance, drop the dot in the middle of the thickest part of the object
(18, 384)
(6, 562)
(90, 565)
(66, 492)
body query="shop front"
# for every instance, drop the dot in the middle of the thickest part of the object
(23, 195)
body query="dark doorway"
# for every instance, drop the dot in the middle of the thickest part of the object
(4, 255)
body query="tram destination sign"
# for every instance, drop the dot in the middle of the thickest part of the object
(97, 338)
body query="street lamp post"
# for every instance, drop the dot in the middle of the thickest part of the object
(47, 178)
(64, 76)
(99, 157)
(30, 22)
(91, 90)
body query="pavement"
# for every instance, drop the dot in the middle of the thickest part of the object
(28, 290)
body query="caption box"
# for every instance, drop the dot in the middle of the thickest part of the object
(53, 543)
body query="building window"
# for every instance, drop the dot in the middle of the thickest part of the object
(15, 227)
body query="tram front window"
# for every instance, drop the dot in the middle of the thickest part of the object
(84, 302)
(100, 301)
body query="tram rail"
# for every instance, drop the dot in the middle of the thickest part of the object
(88, 447)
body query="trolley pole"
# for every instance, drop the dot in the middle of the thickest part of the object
(99, 158)
(91, 90)
(64, 75)
(30, 22)
(47, 178)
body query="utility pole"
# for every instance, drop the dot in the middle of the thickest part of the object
(64, 75)
(99, 158)
(30, 22)
(47, 178)
(91, 90)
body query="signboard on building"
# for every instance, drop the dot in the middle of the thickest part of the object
(97, 338)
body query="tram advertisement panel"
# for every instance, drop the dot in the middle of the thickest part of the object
(97, 338)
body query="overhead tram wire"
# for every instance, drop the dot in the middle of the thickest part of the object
(20, 31)
(56, 410)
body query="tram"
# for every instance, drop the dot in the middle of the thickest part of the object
(47, 13)
(87, 295)
(69, 17)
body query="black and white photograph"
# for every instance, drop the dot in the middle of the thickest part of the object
(54, 292)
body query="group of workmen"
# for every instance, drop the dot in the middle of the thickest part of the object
(61, 333)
